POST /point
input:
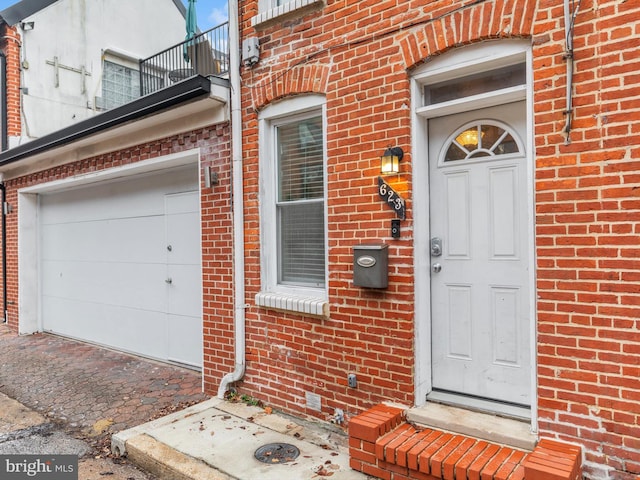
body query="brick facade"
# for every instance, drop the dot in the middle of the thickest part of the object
(360, 55)
(10, 45)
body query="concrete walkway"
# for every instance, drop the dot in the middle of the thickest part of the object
(217, 440)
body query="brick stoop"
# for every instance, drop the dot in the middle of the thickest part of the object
(383, 445)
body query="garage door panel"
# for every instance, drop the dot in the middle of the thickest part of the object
(131, 285)
(131, 330)
(115, 240)
(70, 208)
(106, 273)
(185, 249)
(131, 198)
(184, 299)
(181, 203)
(187, 352)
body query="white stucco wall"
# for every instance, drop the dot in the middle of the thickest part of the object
(78, 33)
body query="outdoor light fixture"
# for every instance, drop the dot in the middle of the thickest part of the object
(210, 177)
(390, 160)
(470, 138)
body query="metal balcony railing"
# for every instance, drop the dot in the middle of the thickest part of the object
(205, 54)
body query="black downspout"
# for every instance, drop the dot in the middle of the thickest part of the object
(4, 134)
(4, 253)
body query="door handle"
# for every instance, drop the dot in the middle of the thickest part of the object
(168, 281)
(436, 268)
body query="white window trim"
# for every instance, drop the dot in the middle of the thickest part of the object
(126, 59)
(307, 300)
(269, 10)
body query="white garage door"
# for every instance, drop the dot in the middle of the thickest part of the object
(120, 265)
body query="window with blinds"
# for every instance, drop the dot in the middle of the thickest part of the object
(300, 203)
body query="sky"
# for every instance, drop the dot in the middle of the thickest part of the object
(210, 12)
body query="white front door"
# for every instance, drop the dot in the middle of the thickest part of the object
(480, 277)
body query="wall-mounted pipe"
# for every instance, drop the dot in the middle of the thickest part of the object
(4, 133)
(569, 22)
(4, 117)
(238, 201)
(3, 199)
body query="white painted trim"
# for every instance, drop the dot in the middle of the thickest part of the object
(531, 195)
(472, 59)
(29, 281)
(270, 13)
(421, 250)
(29, 314)
(292, 303)
(145, 166)
(484, 100)
(461, 62)
(289, 296)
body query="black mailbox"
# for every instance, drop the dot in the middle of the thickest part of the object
(371, 266)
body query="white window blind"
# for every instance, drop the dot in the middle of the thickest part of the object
(300, 203)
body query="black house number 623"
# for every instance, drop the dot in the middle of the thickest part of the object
(393, 199)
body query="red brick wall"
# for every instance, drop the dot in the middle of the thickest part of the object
(588, 232)
(10, 45)
(217, 261)
(359, 54)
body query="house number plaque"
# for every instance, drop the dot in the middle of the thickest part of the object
(393, 199)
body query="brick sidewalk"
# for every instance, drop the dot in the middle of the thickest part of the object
(91, 390)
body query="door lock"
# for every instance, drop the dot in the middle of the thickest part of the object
(436, 268)
(436, 247)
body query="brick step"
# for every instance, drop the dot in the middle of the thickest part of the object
(382, 444)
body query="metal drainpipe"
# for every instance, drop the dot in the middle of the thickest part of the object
(3, 199)
(4, 252)
(238, 201)
(569, 19)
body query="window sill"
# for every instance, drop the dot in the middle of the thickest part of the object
(291, 303)
(289, 7)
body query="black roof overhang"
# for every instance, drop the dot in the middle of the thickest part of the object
(182, 92)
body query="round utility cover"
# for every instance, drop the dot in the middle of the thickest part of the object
(274, 453)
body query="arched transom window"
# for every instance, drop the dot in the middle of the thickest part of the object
(483, 138)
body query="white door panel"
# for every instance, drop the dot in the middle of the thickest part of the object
(180, 326)
(184, 292)
(183, 298)
(480, 288)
